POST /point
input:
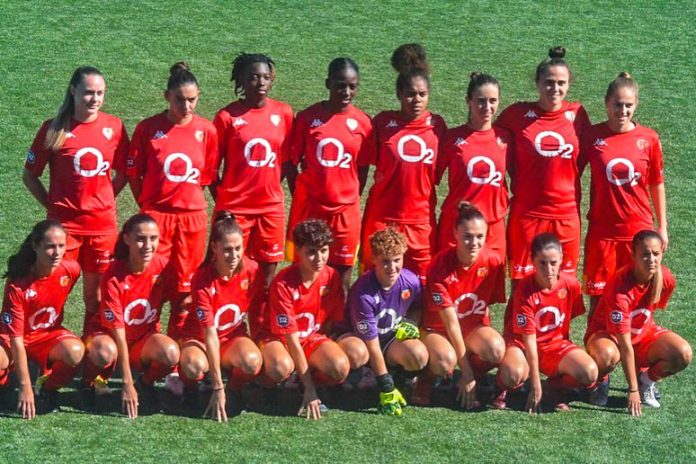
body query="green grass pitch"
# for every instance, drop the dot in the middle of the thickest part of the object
(134, 43)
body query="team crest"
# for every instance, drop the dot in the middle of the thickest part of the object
(64, 281)
(570, 116)
(562, 293)
(482, 272)
(641, 144)
(521, 320)
(7, 318)
(323, 290)
(283, 320)
(29, 294)
(200, 313)
(363, 327)
(275, 119)
(199, 135)
(437, 298)
(244, 284)
(406, 294)
(109, 315)
(108, 132)
(616, 317)
(352, 124)
(428, 120)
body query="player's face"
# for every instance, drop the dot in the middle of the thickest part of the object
(342, 85)
(312, 259)
(228, 253)
(88, 97)
(182, 102)
(50, 250)
(483, 105)
(547, 265)
(387, 269)
(647, 257)
(257, 81)
(553, 87)
(620, 108)
(414, 98)
(470, 237)
(142, 243)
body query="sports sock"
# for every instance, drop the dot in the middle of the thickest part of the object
(156, 371)
(61, 375)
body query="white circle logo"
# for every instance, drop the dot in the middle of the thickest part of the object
(425, 154)
(565, 150)
(190, 175)
(494, 177)
(52, 317)
(630, 177)
(634, 314)
(269, 156)
(342, 158)
(149, 313)
(310, 326)
(394, 319)
(235, 320)
(558, 319)
(478, 306)
(102, 166)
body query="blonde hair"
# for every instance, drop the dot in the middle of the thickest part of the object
(388, 242)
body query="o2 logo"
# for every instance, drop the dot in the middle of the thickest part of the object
(50, 311)
(101, 169)
(236, 319)
(306, 320)
(190, 174)
(549, 150)
(425, 154)
(343, 158)
(393, 320)
(636, 323)
(149, 313)
(494, 177)
(268, 159)
(478, 306)
(619, 178)
(557, 321)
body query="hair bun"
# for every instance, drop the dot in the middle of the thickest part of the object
(179, 67)
(224, 215)
(464, 206)
(409, 57)
(557, 52)
(624, 75)
(474, 75)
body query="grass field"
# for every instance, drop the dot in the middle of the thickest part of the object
(134, 43)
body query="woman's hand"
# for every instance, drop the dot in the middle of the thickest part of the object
(130, 400)
(466, 392)
(25, 403)
(216, 406)
(634, 403)
(533, 405)
(310, 404)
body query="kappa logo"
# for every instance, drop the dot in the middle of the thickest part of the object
(531, 114)
(108, 132)
(428, 120)
(31, 157)
(437, 298)
(460, 141)
(616, 317)
(200, 313)
(352, 124)
(7, 318)
(521, 320)
(213, 291)
(363, 327)
(275, 119)
(392, 123)
(29, 294)
(159, 135)
(283, 320)
(295, 295)
(599, 142)
(570, 116)
(239, 122)
(501, 143)
(109, 315)
(316, 123)
(199, 135)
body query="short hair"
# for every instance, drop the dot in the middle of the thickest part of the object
(242, 62)
(312, 232)
(388, 242)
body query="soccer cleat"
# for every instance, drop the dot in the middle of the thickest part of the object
(235, 402)
(46, 401)
(422, 390)
(173, 384)
(599, 396)
(391, 403)
(147, 394)
(406, 330)
(88, 398)
(40, 381)
(101, 386)
(500, 401)
(646, 387)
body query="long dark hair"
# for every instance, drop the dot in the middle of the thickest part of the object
(121, 251)
(656, 282)
(224, 223)
(19, 264)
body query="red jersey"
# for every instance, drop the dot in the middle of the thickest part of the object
(224, 304)
(624, 166)
(80, 193)
(133, 301)
(546, 313)
(330, 147)
(545, 179)
(174, 161)
(296, 308)
(33, 306)
(254, 143)
(470, 290)
(625, 305)
(405, 158)
(476, 162)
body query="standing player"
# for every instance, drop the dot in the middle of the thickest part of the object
(626, 164)
(134, 288)
(537, 331)
(39, 281)
(171, 158)
(228, 293)
(475, 156)
(407, 143)
(463, 281)
(544, 174)
(382, 304)
(623, 326)
(82, 145)
(332, 142)
(304, 300)
(254, 139)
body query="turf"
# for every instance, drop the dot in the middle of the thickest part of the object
(134, 43)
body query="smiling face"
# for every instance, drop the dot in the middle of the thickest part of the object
(49, 251)
(483, 105)
(342, 85)
(470, 236)
(388, 269)
(547, 265)
(142, 244)
(647, 257)
(182, 103)
(621, 106)
(553, 86)
(227, 253)
(414, 98)
(88, 97)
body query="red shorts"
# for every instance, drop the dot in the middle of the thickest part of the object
(521, 230)
(309, 344)
(39, 346)
(93, 252)
(264, 236)
(182, 240)
(640, 349)
(433, 324)
(603, 257)
(135, 352)
(344, 225)
(225, 342)
(550, 354)
(495, 239)
(419, 238)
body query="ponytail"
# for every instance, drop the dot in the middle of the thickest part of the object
(656, 283)
(623, 80)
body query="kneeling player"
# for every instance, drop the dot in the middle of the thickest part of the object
(304, 300)
(38, 284)
(537, 330)
(227, 290)
(377, 306)
(623, 328)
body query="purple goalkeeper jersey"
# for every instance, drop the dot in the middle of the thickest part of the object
(375, 312)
